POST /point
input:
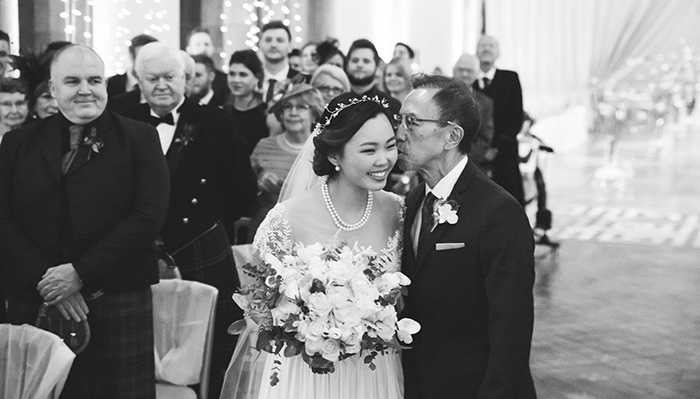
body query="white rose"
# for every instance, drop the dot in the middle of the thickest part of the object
(339, 296)
(331, 350)
(319, 304)
(315, 330)
(313, 345)
(341, 272)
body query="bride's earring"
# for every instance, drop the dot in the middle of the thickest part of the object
(337, 168)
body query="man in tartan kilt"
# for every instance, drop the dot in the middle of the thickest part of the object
(83, 196)
(212, 185)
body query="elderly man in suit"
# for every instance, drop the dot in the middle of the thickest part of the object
(482, 153)
(83, 195)
(212, 185)
(504, 88)
(468, 253)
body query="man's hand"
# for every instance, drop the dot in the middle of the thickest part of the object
(59, 283)
(74, 307)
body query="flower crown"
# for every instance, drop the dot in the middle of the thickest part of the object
(341, 106)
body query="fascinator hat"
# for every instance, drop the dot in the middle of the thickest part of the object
(302, 177)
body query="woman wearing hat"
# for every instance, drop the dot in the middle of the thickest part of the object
(297, 111)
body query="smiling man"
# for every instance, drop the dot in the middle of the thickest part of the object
(212, 185)
(361, 67)
(83, 195)
(275, 43)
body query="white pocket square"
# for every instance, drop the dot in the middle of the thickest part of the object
(442, 246)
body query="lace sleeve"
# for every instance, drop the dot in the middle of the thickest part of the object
(274, 235)
(391, 255)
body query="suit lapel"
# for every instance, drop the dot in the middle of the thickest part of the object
(457, 194)
(186, 126)
(51, 145)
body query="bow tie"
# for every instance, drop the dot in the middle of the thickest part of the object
(155, 121)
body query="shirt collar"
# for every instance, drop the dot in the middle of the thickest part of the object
(489, 74)
(205, 100)
(444, 187)
(279, 76)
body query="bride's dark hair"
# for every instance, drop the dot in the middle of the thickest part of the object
(342, 126)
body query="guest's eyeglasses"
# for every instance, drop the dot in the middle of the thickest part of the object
(298, 107)
(409, 121)
(330, 90)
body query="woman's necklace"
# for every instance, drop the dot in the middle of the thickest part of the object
(290, 144)
(334, 214)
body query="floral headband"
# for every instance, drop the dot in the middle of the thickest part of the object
(353, 101)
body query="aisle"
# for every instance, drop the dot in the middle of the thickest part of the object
(619, 315)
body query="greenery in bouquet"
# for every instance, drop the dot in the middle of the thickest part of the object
(325, 303)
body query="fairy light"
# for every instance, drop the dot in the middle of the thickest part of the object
(77, 20)
(261, 12)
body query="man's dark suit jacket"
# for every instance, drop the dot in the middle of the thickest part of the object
(507, 98)
(210, 178)
(125, 101)
(116, 85)
(117, 202)
(474, 300)
(482, 143)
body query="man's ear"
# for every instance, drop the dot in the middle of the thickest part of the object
(454, 137)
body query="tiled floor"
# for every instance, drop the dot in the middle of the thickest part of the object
(618, 313)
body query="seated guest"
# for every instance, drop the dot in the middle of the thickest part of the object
(13, 104)
(309, 58)
(329, 53)
(42, 104)
(396, 79)
(331, 81)
(298, 110)
(245, 105)
(295, 59)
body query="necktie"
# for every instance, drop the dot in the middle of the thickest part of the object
(270, 89)
(167, 119)
(487, 83)
(76, 135)
(427, 219)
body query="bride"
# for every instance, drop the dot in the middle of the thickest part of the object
(341, 199)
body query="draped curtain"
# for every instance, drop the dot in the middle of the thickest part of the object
(561, 49)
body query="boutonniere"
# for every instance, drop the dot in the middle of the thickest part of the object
(93, 141)
(185, 137)
(445, 211)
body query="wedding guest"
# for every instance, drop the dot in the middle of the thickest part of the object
(202, 79)
(396, 79)
(309, 58)
(212, 186)
(272, 158)
(127, 81)
(5, 59)
(42, 104)
(81, 236)
(361, 67)
(469, 254)
(331, 81)
(466, 69)
(245, 104)
(295, 59)
(275, 41)
(404, 53)
(503, 87)
(329, 53)
(13, 104)
(199, 41)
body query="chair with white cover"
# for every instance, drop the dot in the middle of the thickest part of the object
(34, 363)
(183, 326)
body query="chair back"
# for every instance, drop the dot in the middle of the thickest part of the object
(34, 363)
(183, 327)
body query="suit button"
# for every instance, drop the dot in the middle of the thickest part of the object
(185, 220)
(194, 201)
(203, 181)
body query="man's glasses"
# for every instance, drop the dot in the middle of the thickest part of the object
(335, 91)
(298, 107)
(409, 121)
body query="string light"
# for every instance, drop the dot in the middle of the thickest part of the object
(261, 12)
(77, 17)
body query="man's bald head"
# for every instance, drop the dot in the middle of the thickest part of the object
(466, 69)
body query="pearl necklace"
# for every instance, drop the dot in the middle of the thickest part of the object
(334, 214)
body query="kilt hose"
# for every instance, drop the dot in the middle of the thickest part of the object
(209, 259)
(118, 362)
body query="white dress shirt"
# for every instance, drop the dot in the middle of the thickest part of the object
(489, 75)
(167, 132)
(279, 76)
(441, 191)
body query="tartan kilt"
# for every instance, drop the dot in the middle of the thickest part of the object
(118, 362)
(209, 259)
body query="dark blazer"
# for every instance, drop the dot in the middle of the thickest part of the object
(210, 177)
(220, 87)
(116, 85)
(117, 201)
(123, 102)
(483, 140)
(474, 303)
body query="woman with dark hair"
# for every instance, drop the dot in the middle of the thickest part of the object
(42, 104)
(329, 53)
(245, 105)
(333, 194)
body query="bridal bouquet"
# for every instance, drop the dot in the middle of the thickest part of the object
(324, 303)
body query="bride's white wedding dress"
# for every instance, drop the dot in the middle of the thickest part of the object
(308, 222)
